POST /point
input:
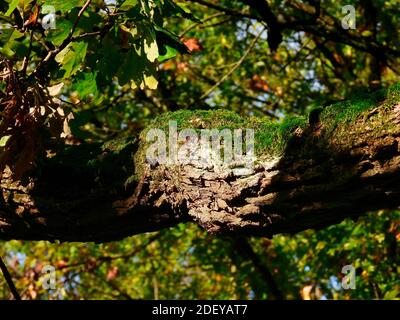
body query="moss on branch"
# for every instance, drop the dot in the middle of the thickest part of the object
(272, 137)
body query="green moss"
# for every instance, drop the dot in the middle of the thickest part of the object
(349, 110)
(272, 137)
(392, 96)
(198, 119)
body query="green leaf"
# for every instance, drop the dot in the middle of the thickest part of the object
(64, 5)
(169, 53)
(166, 38)
(3, 140)
(131, 68)
(12, 7)
(7, 41)
(85, 84)
(110, 57)
(128, 4)
(137, 70)
(170, 9)
(71, 57)
(58, 35)
(392, 295)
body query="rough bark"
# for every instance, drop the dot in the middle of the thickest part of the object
(328, 170)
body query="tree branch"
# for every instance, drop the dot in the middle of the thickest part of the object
(344, 163)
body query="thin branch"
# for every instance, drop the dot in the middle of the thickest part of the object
(233, 69)
(228, 11)
(104, 259)
(194, 25)
(216, 24)
(86, 35)
(9, 280)
(41, 41)
(115, 287)
(265, 111)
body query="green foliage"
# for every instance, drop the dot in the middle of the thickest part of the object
(8, 39)
(64, 6)
(130, 34)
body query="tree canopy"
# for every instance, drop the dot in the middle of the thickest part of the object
(80, 79)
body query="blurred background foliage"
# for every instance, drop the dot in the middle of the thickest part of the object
(223, 62)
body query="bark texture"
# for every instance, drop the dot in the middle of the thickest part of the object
(328, 170)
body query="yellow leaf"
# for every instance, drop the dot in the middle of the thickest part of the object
(151, 50)
(150, 82)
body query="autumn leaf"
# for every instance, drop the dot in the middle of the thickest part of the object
(33, 17)
(192, 44)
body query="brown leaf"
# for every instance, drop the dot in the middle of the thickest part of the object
(33, 17)
(192, 44)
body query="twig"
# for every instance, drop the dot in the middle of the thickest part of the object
(236, 65)
(194, 25)
(125, 256)
(41, 41)
(216, 24)
(26, 58)
(86, 35)
(9, 280)
(231, 12)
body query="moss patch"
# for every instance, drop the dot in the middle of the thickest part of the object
(347, 111)
(272, 137)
